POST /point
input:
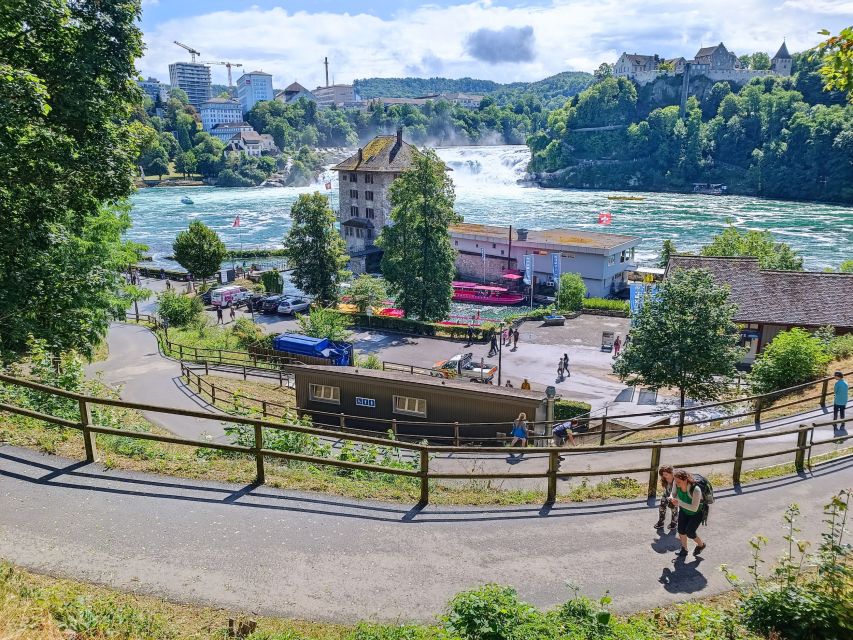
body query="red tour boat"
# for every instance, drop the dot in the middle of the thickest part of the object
(474, 293)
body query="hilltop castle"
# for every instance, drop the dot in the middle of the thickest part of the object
(716, 63)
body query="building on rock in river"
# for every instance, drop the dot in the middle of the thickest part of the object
(365, 205)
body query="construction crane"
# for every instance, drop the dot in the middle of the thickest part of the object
(228, 66)
(193, 52)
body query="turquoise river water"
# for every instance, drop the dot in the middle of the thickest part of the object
(487, 192)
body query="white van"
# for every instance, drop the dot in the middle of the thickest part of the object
(226, 296)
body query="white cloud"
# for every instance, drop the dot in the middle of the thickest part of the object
(569, 34)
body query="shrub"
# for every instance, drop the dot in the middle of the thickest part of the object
(841, 347)
(491, 612)
(605, 304)
(247, 333)
(568, 409)
(272, 281)
(792, 358)
(367, 291)
(179, 310)
(571, 293)
(324, 322)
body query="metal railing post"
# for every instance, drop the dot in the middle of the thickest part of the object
(424, 472)
(553, 463)
(88, 436)
(738, 460)
(800, 456)
(653, 471)
(455, 434)
(603, 429)
(260, 476)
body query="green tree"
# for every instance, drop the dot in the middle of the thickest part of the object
(760, 61)
(314, 249)
(367, 291)
(846, 267)
(199, 250)
(67, 79)
(272, 281)
(684, 338)
(571, 292)
(180, 95)
(758, 244)
(792, 357)
(667, 250)
(836, 54)
(324, 322)
(135, 294)
(185, 163)
(177, 309)
(419, 262)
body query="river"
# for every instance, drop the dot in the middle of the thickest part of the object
(487, 192)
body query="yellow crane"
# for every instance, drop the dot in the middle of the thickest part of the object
(228, 66)
(193, 52)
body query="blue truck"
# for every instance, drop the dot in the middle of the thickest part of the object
(295, 344)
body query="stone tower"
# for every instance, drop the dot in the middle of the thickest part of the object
(780, 64)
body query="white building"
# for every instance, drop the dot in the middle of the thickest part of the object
(219, 110)
(334, 95)
(251, 143)
(192, 77)
(252, 88)
(227, 130)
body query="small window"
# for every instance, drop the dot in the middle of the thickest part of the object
(368, 195)
(353, 211)
(368, 178)
(368, 213)
(358, 233)
(370, 233)
(456, 243)
(611, 260)
(325, 393)
(353, 177)
(410, 406)
(494, 246)
(502, 251)
(353, 193)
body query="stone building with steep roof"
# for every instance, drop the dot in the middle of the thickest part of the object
(364, 204)
(772, 301)
(781, 64)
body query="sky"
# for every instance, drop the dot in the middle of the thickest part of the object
(502, 40)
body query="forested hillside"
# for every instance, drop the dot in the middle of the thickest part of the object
(778, 137)
(414, 87)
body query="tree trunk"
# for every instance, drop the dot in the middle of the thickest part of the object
(682, 396)
(136, 308)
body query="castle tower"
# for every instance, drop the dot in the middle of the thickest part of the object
(780, 64)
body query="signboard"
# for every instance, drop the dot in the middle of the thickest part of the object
(556, 266)
(528, 269)
(365, 402)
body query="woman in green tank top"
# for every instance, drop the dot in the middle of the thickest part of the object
(688, 498)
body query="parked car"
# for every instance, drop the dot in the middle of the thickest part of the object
(289, 306)
(205, 297)
(232, 295)
(463, 365)
(270, 303)
(256, 300)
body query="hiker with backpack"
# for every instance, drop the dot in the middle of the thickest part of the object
(693, 495)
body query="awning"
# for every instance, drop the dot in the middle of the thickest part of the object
(511, 276)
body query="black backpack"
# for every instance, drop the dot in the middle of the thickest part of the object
(707, 490)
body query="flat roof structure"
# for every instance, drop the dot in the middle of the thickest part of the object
(561, 238)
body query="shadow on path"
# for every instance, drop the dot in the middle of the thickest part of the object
(684, 577)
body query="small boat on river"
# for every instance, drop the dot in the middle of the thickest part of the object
(638, 198)
(474, 293)
(708, 189)
(187, 200)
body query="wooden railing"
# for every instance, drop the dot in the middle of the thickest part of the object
(423, 453)
(596, 422)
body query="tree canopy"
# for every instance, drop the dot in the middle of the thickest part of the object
(758, 244)
(61, 250)
(684, 338)
(419, 262)
(571, 292)
(791, 358)
(314, 249)
(367, 291)
(199, 250)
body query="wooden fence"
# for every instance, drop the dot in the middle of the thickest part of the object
(423, 453)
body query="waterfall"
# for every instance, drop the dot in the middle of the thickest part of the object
(486, 167)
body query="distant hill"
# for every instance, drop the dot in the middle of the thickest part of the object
(555, 88)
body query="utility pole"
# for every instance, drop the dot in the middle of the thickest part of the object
(326, 64)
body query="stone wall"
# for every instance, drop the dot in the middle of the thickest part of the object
(738, 76)
(470, 267)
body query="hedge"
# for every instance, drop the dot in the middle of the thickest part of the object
(605, 304)
(568, 409)
(418, 328)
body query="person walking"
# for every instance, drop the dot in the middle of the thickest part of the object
(688, 498)
(232, 312)
(515, 339)
(470, 334)
(667, 483)
(560, 370)
(168, 285)
(566, 365)
(493, 345)
(219, 315)
(525, 385)
(617, 345)
(519, 432)
(839, 403)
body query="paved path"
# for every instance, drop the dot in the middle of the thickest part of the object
(324, 558)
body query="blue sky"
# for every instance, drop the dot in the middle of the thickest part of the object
(503, 40)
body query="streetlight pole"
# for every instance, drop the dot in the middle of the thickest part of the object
(500, 350)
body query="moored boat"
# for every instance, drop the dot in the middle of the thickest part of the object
(474, 293)
(187, 200)
(625, 198)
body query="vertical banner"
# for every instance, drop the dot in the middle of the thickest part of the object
(556, 267)
(528, 269)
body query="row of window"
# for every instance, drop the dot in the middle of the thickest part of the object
(402, 404)
(358, 233)
(368, 195)
(368, 178)
(368, 213)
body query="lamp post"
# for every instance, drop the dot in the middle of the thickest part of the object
(500, 349)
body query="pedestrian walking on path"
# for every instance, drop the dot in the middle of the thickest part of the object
(493, 345)
(515, 339)
(617, 345)
(688, 499)
(519, 432)
(566, 365)
(232, 312)
(219, 315)
(470, 333)
(839, 403)
(168, 284)
(667, 483)
(560, 370)
(508, 384)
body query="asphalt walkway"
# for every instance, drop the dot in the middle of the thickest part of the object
(316, 557)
